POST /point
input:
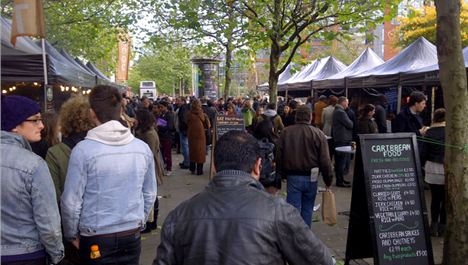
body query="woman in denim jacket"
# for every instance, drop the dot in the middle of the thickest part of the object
(30, 218)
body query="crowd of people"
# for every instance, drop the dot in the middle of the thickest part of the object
(64, 195)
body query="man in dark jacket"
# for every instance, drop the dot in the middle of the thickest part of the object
(234, 221)
(302, 154)
(342, 132)
(408, 120)
(381, 113)
(181, 113)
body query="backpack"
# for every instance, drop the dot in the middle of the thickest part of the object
(267, 173)
(271, 119)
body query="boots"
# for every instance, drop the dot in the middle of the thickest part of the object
(192, 168)
(434, 230)
(199, 168)
(441, 230)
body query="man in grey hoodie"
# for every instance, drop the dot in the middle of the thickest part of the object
(110, 187)
(270, 113)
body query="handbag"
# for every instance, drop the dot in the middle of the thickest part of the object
(208, 133)
(328, 208)
(208, 136)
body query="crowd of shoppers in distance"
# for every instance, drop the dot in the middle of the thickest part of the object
(82, 142)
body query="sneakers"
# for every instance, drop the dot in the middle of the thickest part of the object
(168, 173)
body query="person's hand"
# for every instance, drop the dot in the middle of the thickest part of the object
(76, 243)
(423, 130)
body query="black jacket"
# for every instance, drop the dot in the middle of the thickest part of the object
(234, 221)
(342, 128)
(435, 151)
(165, 132)
(406, 121)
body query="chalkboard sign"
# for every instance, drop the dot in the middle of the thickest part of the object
(395, 198)
(228, 123)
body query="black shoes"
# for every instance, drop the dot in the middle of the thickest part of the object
(182, 166)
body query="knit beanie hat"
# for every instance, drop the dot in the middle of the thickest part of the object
(16, 109)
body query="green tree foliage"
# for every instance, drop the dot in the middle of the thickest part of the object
(216, 24)
(422, 22)
(285, 25)
(167, 63)
(89, 29)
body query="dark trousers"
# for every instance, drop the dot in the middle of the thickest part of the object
(166, 148)
(40, 261)
(342, 163)
(114, 249)
(438, 214)
(331, 148)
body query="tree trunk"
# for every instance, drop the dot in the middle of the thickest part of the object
(453, 80)
(273, 77)
(275, 52)
(228, 71)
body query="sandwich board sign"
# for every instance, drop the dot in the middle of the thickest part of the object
(391, 186)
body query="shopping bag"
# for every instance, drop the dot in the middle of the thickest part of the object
(328, 208)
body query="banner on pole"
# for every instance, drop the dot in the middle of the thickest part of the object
(28, 19)
(124, 58)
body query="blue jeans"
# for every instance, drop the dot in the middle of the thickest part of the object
(184, 148)
(301, 194)
(115, 250)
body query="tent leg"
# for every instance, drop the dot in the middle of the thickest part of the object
(399, 98)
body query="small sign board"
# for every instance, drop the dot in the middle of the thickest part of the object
(395, 199)
(223, 125)
(228, 123)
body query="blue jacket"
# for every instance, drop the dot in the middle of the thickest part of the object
(110, 185)
(30, 219)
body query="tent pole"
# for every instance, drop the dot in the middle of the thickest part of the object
(44, 65)
(433, 95)
(399, 98)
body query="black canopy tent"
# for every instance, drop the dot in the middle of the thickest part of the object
(73, 72)
(24, 63)
(83, 70)
(22, 70)
(102, 79)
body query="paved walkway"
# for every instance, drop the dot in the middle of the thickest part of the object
(181, 185)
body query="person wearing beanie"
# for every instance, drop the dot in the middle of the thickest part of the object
(30, 219)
